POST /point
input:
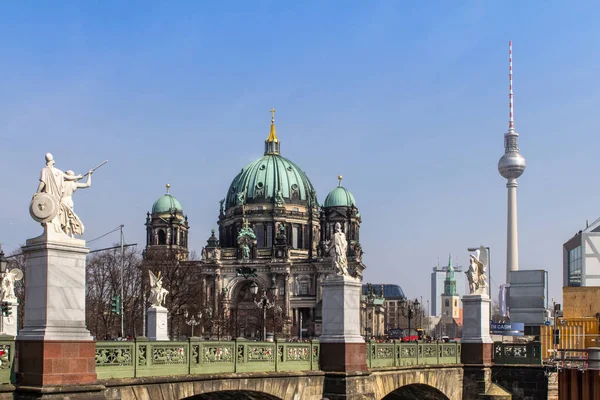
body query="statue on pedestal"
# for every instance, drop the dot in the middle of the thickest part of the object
(52, 204)
(7, 287)
(157, 292)
(339, 250)
(477, 272)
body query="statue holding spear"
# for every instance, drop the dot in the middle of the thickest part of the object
(52, 204)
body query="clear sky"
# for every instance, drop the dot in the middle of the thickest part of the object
(408, 100)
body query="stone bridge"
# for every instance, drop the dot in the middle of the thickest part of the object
(441, 382)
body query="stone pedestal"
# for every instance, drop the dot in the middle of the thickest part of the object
(476, 339)
(157, 323)
(54, 346)
(10, 323)
(343, 348)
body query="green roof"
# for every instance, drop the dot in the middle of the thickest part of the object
(166, 204)
(261, 181)
(340, 197)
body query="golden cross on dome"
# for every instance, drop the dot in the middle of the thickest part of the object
(246, 224)
(272, 111)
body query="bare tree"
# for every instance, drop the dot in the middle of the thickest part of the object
(103, 282)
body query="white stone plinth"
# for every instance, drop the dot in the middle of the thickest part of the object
(341, 310)
(55, 289)
(9, 324)
(157, 323)
(476, 319)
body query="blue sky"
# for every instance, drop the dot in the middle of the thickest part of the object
(409, 101)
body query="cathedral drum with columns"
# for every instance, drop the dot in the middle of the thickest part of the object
(272, 249)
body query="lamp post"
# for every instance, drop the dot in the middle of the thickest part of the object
(3, 265)
(411, 305)
(489, 272)
(192, 321)
(263, 303)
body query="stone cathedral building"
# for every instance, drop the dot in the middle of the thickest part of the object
(272, 232)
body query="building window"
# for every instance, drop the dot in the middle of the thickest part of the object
(447, 303)
(269, 235)
(575, 266)
(282, 291)
(260, 235)
(303, 290)
(455, 303)
(162, 237)
(259, 208)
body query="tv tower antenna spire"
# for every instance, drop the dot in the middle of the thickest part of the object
(511, 166)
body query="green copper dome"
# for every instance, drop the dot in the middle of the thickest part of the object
(271, 178)
(340, 197)
(166, 204)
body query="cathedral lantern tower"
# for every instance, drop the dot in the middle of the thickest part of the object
(340, 206)
(167, 228)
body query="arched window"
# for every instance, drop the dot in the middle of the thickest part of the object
(447, 303)
(455, 303)
(162, 237)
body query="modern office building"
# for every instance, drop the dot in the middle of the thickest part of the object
(581, 257)
(438, 277)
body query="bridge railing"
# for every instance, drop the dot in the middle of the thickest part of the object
(7, 358)
(398, 354)
(142, 357)
(518, 353)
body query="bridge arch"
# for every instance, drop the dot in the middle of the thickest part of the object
(416, 391)
(442, 382)
(233, 395)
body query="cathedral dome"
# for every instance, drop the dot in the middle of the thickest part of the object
(263, 180)
(166, 204)
(340, 197)
(271, 179)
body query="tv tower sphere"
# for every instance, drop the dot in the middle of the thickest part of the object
(512, 164)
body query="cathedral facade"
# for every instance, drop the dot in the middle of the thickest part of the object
(271, 250)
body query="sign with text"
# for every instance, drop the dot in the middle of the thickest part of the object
(507, 329)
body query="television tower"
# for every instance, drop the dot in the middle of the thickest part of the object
(511, 166)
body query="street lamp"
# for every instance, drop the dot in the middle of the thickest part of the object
(411, 305)
(489, 272)
(192, 321)
(3, 261)
(264, 303)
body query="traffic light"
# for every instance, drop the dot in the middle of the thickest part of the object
(115, 305)
(6, 309)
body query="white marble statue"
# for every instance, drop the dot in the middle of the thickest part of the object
(157, 292)
(52, 204)
(340, 249)
(477, 272)
(7, 287)
(69, 221)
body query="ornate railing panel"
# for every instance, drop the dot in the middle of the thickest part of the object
(7, 359)
(397, 354)
(144, 358)
(518, 353)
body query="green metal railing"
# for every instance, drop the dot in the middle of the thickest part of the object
(7, 358)
(518, 353)
(398, 354)
(145, 358)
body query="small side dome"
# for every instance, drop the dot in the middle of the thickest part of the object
(167, 204)
(340, 197)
